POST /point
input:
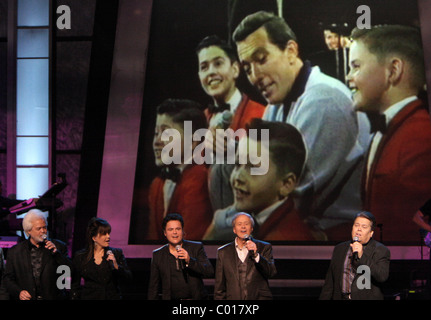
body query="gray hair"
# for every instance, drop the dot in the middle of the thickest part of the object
(32, 215)
(242, 214)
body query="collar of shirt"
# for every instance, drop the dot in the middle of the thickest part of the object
(242, 252)
(31, 245)
(235, 100)
(392, 111)
(261, 217)
(274, 112)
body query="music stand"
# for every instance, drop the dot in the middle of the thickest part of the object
(46, 202)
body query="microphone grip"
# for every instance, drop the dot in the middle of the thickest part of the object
(355, 253)
(110, 262)
(355, 256)
(181, 262)
(44, 240)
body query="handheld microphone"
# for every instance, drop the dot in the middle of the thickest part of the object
(247, 237)
(355, 253)
(223, 120)
(44, 238)
(180, 262)
(226, 119)
(111, 263)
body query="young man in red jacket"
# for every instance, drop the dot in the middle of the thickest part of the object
(182, 187)
(386, 77)
(218, 72)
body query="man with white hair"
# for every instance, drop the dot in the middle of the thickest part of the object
(31, 266)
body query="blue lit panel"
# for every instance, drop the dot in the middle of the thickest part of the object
(32, 151)
(31, 182)
(32, 97)
(33, 13)
(33, 43)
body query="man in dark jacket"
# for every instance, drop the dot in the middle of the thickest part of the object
(179, 266)
(32, 266)
(245, 265)
(358, 267)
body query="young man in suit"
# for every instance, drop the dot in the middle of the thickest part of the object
(344, 280)
(244, 266)
(218, 72)
(179, 266)
(387, 77)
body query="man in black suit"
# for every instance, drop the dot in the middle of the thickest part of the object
(178, 266)
(244, 266)
(32, 265)
(358, 267)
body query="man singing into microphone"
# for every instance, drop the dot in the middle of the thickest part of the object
(36, 280)
(244, 266)
(358, 267)
(179, 266)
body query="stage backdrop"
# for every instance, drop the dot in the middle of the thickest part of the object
(155, 60)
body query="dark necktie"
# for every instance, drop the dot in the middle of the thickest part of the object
(377, 122)
(171, 173)
(219, 108)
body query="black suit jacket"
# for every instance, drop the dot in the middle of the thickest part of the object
(376, 256)
(198, 268)
(101, 281)
(226, 285)
(18, 274)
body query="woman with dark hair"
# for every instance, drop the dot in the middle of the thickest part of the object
(100, 266)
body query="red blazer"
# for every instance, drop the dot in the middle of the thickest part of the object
(247, 110)
(399, 181)
(284, 224)
(190, 199)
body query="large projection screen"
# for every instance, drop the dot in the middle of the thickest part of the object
(155, 59)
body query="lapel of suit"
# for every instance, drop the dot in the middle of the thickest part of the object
(177, 194)
(393, 126)
(45, 258)
(250, 260)
(166, 266)
(277, 217)
(342, 261)
(368, 250)
(26, 256)
(239, 113)
(233, 259)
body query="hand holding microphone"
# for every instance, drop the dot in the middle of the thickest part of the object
(111, 260)
(183, 256)
(356, 248)
(214, 141)
(48, 244)
(250, 245)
